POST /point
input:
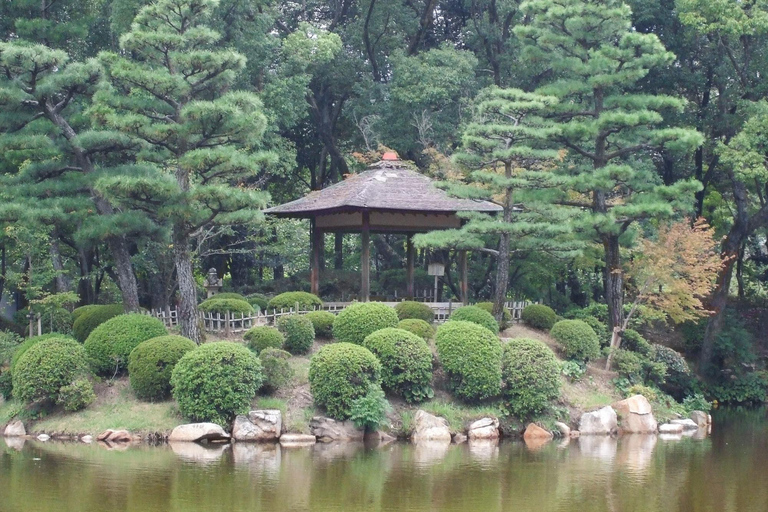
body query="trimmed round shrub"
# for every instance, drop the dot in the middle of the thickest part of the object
(262, 336)
(506, 315)
(406, 363)
(339, 374)
(78, 312)
(675, 362)
(322, 321)
(530, 374)
(418, 327)
(277, 369)
(76, 396)
(21, 349)
(288, 300)
(229, 295)
(412, 309)
(257, 300)
(600, 329)
(94, 317)
(577, 338)
(477, 316)
(634, 341)
(471, 357)
(221, 306)
(539, 316)
(360, 319)
(216, 382)
(299, 333)
(151, 363)
(46, 367)
(110, 344)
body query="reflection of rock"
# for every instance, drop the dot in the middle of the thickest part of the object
(261, 426)
(87, 439)
(700, 433)
(700, 418)
(15, 429)
(485, 428)
(687, 424)
(15, 443)
(430, 428)
(338, 450)
(670, 437)
(483, 450)
(43, 437)
(533, 431)
(263, 458)
(635, 415)
(600, 422)
(598, 447)
(536, 443)
(635, 451)
(194, 452)
(430, 452)
(291, 440)
(564, 429)
(198, 432)
(459, 438)
(327, 430)
(670, 428)
(378, 438)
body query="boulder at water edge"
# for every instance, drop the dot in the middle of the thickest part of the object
(635, 415)
(430, 428)
(327, 430)
(485, 428)
(687, 424)
(193, 432)
(564, 429)
(297, 440)
(600, 422)
(258, 426)
(115, 436)
(15, 429)
(533, 431)
(670, 428)
(700, 418)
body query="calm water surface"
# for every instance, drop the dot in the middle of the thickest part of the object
(724, 472)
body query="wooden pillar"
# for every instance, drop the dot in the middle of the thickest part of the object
(316, 262)
(409, 266)
(365, 263)
(464, 285)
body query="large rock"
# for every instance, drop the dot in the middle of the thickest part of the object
(193, 432)
(600, 422)
(670, 428)
(700, 418)
(15, 429)
(430, 428)
(533, 431)
(485, 428)
(564, 429)
(258, 426)
(635, 415)
(297, 440)
(687, 424)
(115, 436)
(327, 430)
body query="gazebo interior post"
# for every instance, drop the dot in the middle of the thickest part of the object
(409, 266)
(365, 263)
(317, 256)
(464, 285)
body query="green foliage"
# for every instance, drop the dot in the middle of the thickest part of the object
(92, 318)
(9, 343)
(288, 300)
(476, 315)
(539, 316)
(360, 319)
(406, 363)
(471, 357)
(277, 370)
(748, 388)
(506, 316)
(258, 300)
(28, 343)
(676, 364)
(229, 295)
(78, 312)
(696, 402)
(530, 374)
(216, 381)
(6, 384)
(298, 331)
(634, 341)
(414, 310)
(418, 327)
(577, 339)
(151, 363)
(322, 321)
(370, 410)
(76, 396)
(110, 344)
(573, 370)
(339, 374)
(263, 336)
(638, 389)
(46, 367)
(221, 306)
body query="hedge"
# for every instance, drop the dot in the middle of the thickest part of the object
(506, 315)
(339, 374)
(277, 369)
(263, 336)
(471, 357)
(151, 363)
(288, 300)
(258, 300)
(298, 331)
(577, 338)
(110, 344)
(46, 367)
(78, 312)
(322, 321)
(221, 306)
(228, 295)
(29, 342)
(478, 316)
(360, 319)
(216, 381)
(411, 309)
(406, 363)
(530, 375)
(94, 317)
(418, 327)
(539, 316)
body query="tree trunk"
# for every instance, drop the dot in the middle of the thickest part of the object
(502, 265)
(126, 279)
(62, 283)
(613, 279)
(187, 290)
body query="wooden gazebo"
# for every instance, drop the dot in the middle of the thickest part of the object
(387, 198)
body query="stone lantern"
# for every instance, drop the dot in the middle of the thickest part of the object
(212, 283)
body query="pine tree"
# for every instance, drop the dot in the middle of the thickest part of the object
(169, 89)
(608, 127)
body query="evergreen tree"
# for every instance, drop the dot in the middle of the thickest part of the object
(169, 89)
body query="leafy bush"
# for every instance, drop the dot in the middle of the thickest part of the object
(370, 410)
(92, 318)
(299, 333)
(46, 367)
(749, 388)
(221, 306)
(9, 342)
(601, 329)
(418, 327)
(11, 326)
(637, 368)
(414, 310)
(229, 295)
(696, 402)
(277, 370)
(578, 340)
(406, 363)
(322, 321)
(78, 312)
(675, 362)
(573, 370)
(506, 315)
(638, 389)
(6, 384)
(360, 319)
(76, 396)
(262, 336)
(288, 300)
(151, 363)
(471, 357)
(258, 300)
(539, 316)
(634, 341)
(530, 374)
(339, 374)
(110, 344)
(216, 381)
(30, 342)
(477, 316)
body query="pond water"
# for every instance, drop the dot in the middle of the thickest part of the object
(726, 471)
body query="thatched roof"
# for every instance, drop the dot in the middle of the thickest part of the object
(385, 186)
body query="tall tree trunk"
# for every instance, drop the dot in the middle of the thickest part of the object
(182, 258)
(129, 289)
(502, 266)
(613, 283)
(62, 283)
